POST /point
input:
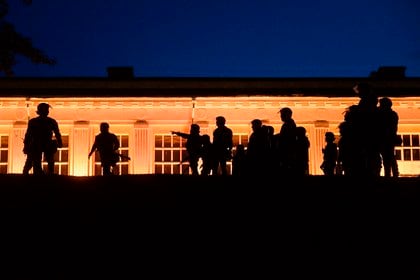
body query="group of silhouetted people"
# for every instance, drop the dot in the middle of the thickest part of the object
(368, 136)
(214, 155)
(286, 152)
(367, 140)
(43, 138)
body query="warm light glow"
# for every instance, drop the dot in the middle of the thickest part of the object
(141, 118)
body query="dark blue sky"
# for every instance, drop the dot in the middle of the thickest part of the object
(221, 38)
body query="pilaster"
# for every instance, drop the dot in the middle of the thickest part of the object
(141, 148)
(80, 147)
(16, 156)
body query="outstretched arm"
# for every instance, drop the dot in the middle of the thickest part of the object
(181, 134)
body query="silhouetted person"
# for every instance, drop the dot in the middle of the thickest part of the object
(285, 143)
(363, 127)
(107, 145)
(258, 149)
(239, 161)
(389, 138)
(222, 143)
(302, 152)
(330, 154)
(39, 141)
(271, 155)
(207, 155)
(345, 161)
(193, 146)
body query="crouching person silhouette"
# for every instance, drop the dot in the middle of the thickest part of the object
(107, 145)
(39, 141)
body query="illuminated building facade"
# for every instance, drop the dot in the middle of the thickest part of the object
(142, 112)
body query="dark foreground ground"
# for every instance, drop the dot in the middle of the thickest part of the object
(127, 227)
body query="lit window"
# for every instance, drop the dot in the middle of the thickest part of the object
(4, 153)
(409, 149)
(61, 158)
(171, 156)
(123, 164)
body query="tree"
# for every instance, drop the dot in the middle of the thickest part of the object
(13, 43)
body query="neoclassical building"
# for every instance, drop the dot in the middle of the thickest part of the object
(142, 112)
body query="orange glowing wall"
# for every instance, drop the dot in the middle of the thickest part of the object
(142, 117)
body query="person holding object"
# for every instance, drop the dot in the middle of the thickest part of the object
(107, 145)
(39, 141)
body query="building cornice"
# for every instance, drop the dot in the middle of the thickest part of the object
(192, 87)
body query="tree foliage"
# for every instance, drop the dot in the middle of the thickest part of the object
(12, 43)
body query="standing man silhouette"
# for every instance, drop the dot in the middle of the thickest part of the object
(389, 138)
(193, 145)
(107, 144)
(222, 145)
(39, 141)
(285, 142)
(330, 154)
(363, 134)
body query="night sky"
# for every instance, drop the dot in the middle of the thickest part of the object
(220, 38)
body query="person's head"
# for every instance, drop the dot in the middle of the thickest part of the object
(220, 121)
(43, 109)
(104, 127)
(269, 129)
(300, 131)
(349, 112)
(256, 124)
(368, 98)
(329, 137)
(385, 102)
(285, 113)
(195, 129)
(206, 139)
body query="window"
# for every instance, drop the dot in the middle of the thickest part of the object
(171, 156)
(123, 165)
(4, 153)
(61, 158)
(409, 150)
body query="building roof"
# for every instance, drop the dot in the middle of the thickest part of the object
(205, 87)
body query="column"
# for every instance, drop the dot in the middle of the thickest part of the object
(317, 137)
(141, 148)
(80, 147)
(16, 156)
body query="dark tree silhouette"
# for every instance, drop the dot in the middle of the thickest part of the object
(13, 43)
